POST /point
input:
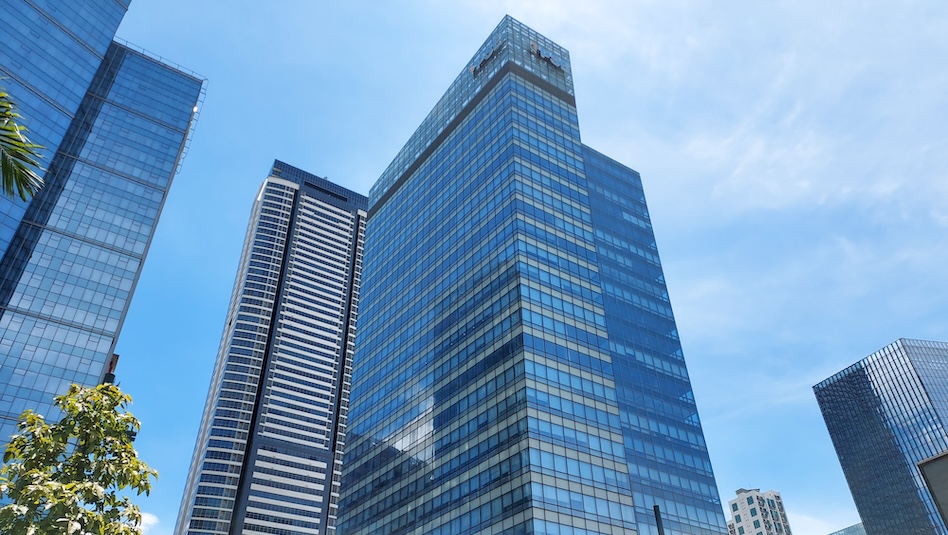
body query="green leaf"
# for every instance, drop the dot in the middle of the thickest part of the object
(65, 477)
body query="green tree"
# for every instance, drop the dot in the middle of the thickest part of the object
(18, 155)
(65, 478)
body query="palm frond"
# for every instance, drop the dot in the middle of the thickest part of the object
(18, 155)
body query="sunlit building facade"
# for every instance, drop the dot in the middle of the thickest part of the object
(268, 457)
(885, 414)
(518, 366)
(114, 122)
(757, 513)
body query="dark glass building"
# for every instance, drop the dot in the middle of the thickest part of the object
(935, 472)
(518, 366)
(115, 123)
(268, 457)
(885, 414)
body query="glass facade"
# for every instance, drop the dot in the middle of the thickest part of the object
(851, 530)
(50, 53)
(115, 123)
(518, 368)
(885, 414)
(268, 457)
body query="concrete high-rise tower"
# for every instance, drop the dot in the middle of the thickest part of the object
(518, 367)
(115, 123)
(268, 457)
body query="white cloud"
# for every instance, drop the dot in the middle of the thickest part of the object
(149, 524)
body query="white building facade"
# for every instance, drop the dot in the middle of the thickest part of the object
(757, 513)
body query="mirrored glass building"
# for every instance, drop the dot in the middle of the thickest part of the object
(268, 457)
(518, 368)
(114, 122)
(885, 414)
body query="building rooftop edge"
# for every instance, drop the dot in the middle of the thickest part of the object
(915, 342)
(493, 54)
(160, 60)
(281, 169)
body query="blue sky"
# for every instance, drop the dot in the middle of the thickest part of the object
(794, 155)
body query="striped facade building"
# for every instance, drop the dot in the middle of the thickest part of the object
(268, 457)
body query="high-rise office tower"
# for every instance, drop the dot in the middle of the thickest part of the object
(268, 457)
(518, 367)
(757, 513)
(115, 123)
(885, 414)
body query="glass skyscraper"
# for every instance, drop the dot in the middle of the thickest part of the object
(268, 457)
(885, 414)
(518, 368)
(115, 123)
